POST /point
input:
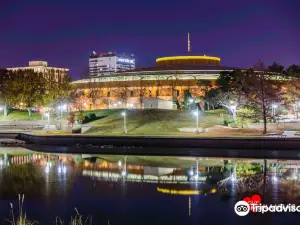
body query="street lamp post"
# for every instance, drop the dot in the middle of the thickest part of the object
(233, 110)
(274, 110)
(197, 120)
(124, 115)
(48, 115)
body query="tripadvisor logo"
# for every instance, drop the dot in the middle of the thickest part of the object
(242, 208)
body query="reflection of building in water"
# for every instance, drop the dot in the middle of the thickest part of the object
(190, 206)
(110, 175)
(158, 171)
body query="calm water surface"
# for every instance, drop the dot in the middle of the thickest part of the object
(142, 190)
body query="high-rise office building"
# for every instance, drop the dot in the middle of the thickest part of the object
(107, 63)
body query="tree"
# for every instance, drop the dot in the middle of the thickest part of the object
(57, 86)
(187, 99)
(71, 119)
(230, 93)
(80, 118)
(93, 90)
(206, 85)
(211, 97)
(78, 99)
(25, 88)
(291, 88)
(142, 91)
(6, 95)
(293, 71)
(262, 90)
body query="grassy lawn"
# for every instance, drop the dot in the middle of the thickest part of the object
(147, 122)
(163, 161)
(152, 122)
(20, 115)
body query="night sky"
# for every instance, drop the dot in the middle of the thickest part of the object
(64, 33)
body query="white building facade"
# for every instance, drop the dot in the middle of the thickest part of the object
(107, 63)
(41, 67)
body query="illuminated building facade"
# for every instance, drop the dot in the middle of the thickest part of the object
(107, 63)
(169, 79)
(42, 67)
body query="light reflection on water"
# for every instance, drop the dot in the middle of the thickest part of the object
(113, 183)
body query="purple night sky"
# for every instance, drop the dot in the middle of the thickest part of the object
(65, 32)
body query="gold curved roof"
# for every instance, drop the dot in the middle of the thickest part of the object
(187, 58)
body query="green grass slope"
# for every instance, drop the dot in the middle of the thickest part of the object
(151, 121)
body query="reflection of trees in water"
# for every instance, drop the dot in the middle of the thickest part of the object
(245, 184)
(25, 179)
(290, 191)
(33, 182)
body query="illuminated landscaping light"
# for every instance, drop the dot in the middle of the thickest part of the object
(275, 179)
(191, 173)
(120, 163)
(123, 113)
(123, 173)
(59, 169)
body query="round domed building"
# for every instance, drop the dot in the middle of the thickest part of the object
(167, 80)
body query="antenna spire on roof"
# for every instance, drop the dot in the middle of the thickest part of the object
(189, 44)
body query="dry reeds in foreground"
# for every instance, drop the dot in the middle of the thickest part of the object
(21, 218)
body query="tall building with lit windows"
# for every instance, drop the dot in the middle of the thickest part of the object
(107, 63)
(41, 67)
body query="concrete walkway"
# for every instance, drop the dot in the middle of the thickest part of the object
(285, 134)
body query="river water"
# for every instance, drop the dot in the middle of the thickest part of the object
(143, 189)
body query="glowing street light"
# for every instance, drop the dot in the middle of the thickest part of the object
(191, 173)
(124, 115)
(131, 106)
(120, 163)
